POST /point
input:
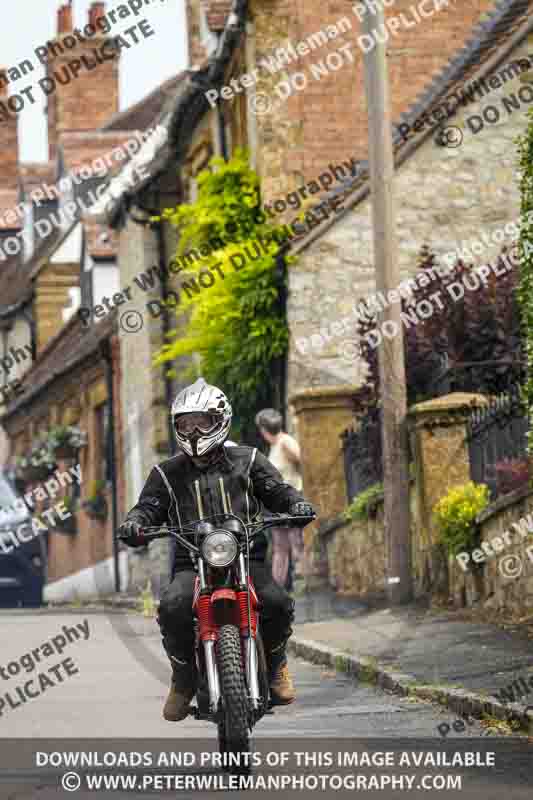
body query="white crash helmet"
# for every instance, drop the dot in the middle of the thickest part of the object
(201, 398)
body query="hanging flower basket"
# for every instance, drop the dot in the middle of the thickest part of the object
(96, 504)
(35, 467)
(64, 441)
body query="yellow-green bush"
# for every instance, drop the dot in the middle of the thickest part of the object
(455, 515)
(365, 504)
(237, 327)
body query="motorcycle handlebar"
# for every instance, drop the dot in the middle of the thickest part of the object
(266, 522)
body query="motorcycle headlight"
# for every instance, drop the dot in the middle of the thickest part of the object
(219, 549)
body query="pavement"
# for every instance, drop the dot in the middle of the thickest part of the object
(428, 653)
(120, 678)
(110, 698)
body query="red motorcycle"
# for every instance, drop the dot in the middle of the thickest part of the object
(232, 681)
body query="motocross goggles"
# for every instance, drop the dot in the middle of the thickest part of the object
(201, 422)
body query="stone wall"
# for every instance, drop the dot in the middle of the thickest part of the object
(356, 552)
(504, 582)
(357, 557)
(446, 199)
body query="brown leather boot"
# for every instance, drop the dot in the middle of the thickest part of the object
(281, 686)
(176, 707)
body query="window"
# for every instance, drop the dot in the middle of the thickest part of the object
(7, 496)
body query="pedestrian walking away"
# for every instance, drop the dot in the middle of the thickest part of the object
(284, 454)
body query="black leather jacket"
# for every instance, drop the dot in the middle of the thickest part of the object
(242, 481)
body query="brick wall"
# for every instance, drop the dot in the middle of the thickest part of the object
(72, 400)
(196, 49)
(8, 147)
(327, 121)
(88, 101)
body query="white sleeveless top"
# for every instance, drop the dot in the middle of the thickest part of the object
(289, 471)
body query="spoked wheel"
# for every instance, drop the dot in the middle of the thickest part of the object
(233, 728)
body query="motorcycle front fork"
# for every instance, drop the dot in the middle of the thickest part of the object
(250, 654)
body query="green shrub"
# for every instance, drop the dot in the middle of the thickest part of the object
(365, 504)
(525, 251)
(455, 515)
(237, 326)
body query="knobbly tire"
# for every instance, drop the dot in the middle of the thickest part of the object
(233, 729)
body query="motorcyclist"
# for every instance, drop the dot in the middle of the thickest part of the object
(207, 478)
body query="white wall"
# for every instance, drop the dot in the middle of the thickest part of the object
(95, 581)
(106, 281)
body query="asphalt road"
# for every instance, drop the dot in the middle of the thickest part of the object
(111, 683)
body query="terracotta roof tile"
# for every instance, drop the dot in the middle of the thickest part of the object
(15, 277)
(83, 149)
(72, 345)
(141, 115)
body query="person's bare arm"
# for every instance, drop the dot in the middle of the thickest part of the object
(292, 449)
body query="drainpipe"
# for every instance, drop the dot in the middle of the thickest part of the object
(33, 333)
(5, 333)
(223, 142)
(166, 328)
(106, 351)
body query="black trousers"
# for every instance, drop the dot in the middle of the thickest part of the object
(175, 615)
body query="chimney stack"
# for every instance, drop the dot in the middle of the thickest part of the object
(96, 11)
(86, 100)
(64, 19)
(8, 142)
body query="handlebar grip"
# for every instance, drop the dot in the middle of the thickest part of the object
(142, 538)
(149, 537)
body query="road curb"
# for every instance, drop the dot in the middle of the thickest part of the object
(463, 702)
(122, 605)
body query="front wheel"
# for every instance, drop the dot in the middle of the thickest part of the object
(233, 728)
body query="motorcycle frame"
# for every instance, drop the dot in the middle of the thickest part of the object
(240, 565)
(251, 661)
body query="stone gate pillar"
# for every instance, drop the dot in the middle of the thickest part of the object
(321, 416)
(440, 450)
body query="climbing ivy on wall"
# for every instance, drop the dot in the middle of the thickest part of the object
(236, 324)
(525, 288)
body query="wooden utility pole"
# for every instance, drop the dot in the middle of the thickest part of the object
(390, 353)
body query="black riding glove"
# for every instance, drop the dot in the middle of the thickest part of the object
(130, 532)
(302, 510)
